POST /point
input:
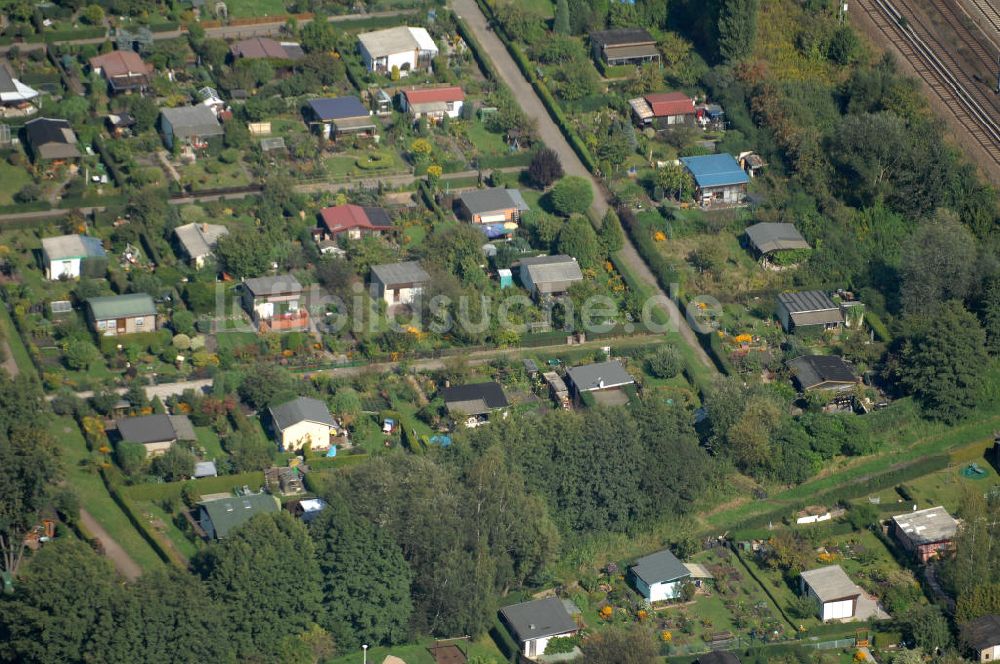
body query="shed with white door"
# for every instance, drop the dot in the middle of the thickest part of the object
(835, 593)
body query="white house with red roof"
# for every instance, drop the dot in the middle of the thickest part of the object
(434, 103)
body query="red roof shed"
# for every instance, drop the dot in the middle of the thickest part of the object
(670, 103)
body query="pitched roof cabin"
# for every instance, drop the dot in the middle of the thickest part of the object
(624, 46)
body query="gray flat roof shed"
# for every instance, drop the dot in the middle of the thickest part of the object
(400, 274)
(599, 376)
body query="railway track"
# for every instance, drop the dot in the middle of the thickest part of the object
(959, 23)
(989, 10)
(970, 105)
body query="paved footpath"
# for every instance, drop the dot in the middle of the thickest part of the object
(552, 137)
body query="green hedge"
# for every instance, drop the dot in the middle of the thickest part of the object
(542, 90)
(428, 196)
(712, 344)
(856, 489)
(15, 208)
(502, 638)
(877, 326)
(164, 26)
(71, 35)
(485, 64)
(205, 485)
(139, 523)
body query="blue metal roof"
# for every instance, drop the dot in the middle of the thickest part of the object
(337, 108)
(715, 170)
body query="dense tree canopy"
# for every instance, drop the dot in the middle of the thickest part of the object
(944, 360)
(267, 579)
(366, 580)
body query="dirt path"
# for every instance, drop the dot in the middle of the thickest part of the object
(553, 138)
(121, 560)
(8, 360)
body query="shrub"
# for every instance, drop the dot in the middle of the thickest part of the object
(664, 363)
(229, 156)
(572, 195)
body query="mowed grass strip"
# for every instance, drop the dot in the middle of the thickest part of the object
(94, 496)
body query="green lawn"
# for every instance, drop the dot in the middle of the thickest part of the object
(12, 180)
(94, 495)
(486, 142)
(255, 8)
(227, 175)
(914, 440)
(209, 440)
(944, 487)
(418, 654)
(235, 340)
(344, 165)
(169, 531)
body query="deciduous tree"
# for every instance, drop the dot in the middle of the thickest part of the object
(572, 195)
(545, 167)
(943, 361)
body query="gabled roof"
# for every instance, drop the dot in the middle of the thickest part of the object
(188, 121)
(474, 399)
(933, 524)
(277, 285)
(768, 237)
(301, 409)
(120, 63)
(12, 89)
(670, 103)
(538, 619)
(401, 39)
(660, 567)
(228, 513)
(121, 306)
(982, 633)
(393, 274)
(264, 47)
(814, 370)
(546, 271)
(51, 138)
(496, 199)
(830, 583)
(338, 108)
(72, 246)
(340, 218)
(199, 240)
(147, 429)
(599, 376)
(622, 37)
(715, 170)
(429, 95)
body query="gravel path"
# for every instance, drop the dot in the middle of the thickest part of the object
(553, 138)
